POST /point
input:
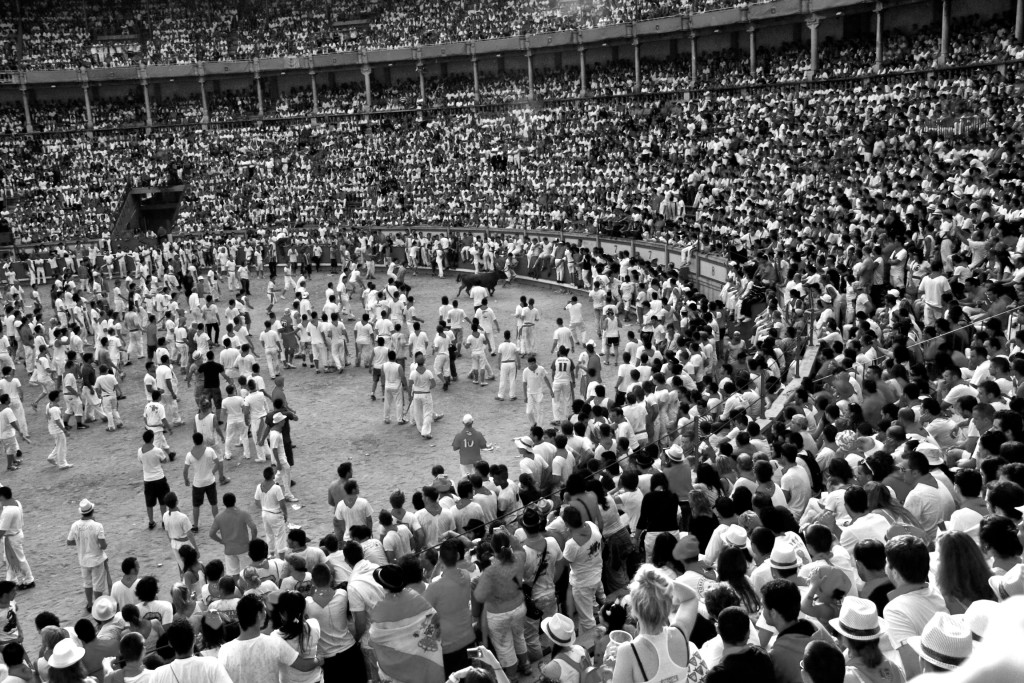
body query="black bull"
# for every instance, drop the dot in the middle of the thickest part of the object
(488, 280)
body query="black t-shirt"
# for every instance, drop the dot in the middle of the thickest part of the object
(211, 374)
(752, 665)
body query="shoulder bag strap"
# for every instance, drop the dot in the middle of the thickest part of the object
(638, 662)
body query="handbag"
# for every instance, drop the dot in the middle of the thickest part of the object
(533, 612)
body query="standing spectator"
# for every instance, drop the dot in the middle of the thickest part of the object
(403, 632)
(450, 596)
(12, 524)
(469, 442)
(582, 552)
(499, 590)
(256, 657)
(87, 537)
(201, 462)
(186, 666)
(336, 646)
(58, 430)
(274, 510)
(233, 528)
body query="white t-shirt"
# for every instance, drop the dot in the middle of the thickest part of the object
(584, 560)
(257, 660)
(193, 670)
(356, 514)
(201, 468)
(398, 541)
(798, 484)
(312, 639)
(152, 468)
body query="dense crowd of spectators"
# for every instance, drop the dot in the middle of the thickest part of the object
(63, 35)
(578, 163)
(971, 42)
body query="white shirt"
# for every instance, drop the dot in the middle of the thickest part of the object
(871, 526)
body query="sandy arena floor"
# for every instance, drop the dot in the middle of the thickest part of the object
(338, 422)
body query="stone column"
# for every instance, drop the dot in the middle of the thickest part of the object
(812, 24)
(878, 36)
(1018, 30)
(529, 70)
(259, 86)
(366, 71)
(423, 83)
(23, 87)
(312, 86)
(145, 98)
(583, 70)
(202, 94)
(636, 63)
(944, 46)
(88, 104)
(752, 40)
(693, 57)
(476, 79)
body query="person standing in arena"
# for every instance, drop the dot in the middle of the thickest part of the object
(534, 378)
(421, 400)
(508, 360)
(562, 385)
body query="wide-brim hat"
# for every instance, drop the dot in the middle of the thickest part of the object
(977, 617)
(65, 654)
(1009, 584)
(735, 536)
(945, 641)
(783, 557)
(674, 453)
(524, 443)
(390, 577)
(560, 629)
(687, 548)
(443, 483)
(858, 620)
(104, 608)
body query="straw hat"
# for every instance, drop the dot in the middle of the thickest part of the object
(783, 557)
(945, 641)
(104, 608)
(736, 536)
(559, 628)
(858, 620)
(65, 654)
(978, 615)
(1009, 584)
(674, 453)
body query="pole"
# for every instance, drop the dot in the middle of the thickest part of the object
(88, 104)
(1018, 30)
(24, 103)
(693, 57)
(423, 84)
(202, 94)
(476, 80)
(312, 85)
(583, 70)
(752, 39)
(812, 24)
(878, 35)
(944, 47)
(529, 69)
(636, 63)
(145, 98)
(366, 71)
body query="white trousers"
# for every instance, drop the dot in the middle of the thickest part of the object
(507, 380)
(423, 412)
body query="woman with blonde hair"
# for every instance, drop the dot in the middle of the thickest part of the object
(661, 648)
(703, 521)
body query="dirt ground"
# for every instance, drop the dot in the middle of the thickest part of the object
(338, 422)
